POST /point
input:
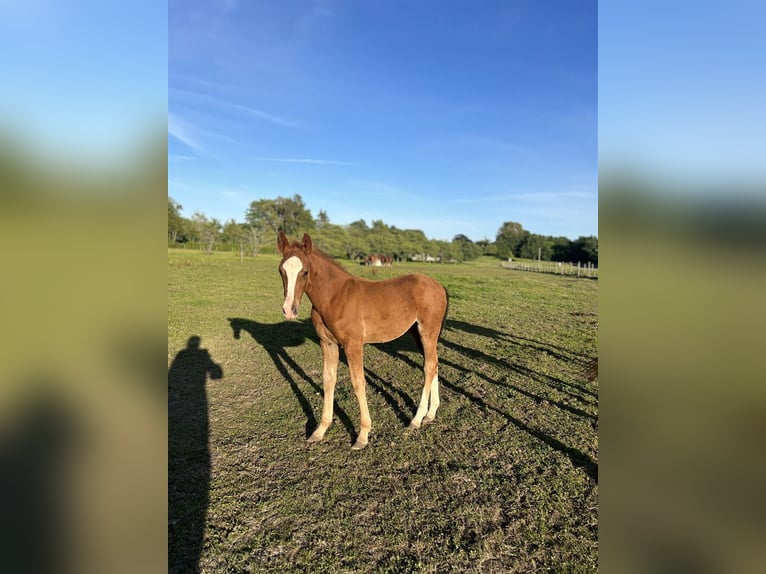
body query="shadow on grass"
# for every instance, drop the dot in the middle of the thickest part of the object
(558, 384)
(387, 391)
(188, 454)
(556, 351)
(577, 391)
(577, 458)
(276, 338)
(37, 442)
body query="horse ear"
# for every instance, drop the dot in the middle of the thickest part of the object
(307, 244)
(281, 242)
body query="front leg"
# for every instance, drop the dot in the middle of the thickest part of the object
(354, 354)
(329, 377)
(329, 373)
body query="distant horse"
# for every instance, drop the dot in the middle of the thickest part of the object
(378, 260)
(351, 311)
(372, 260)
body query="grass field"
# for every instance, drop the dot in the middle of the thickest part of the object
(505, 479)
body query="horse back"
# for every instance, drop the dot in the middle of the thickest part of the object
(388, 308)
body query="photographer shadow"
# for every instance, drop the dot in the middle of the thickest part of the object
(188, 454)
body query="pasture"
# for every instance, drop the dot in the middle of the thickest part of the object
(504, 480)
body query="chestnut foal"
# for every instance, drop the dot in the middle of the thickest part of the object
(351, 311)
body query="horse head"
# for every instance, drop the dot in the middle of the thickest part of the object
(294, 269)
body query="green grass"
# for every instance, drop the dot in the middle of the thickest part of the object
(505, 479)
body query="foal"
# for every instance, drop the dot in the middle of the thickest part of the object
(351, 311)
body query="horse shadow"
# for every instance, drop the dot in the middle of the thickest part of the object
(398, 350)
(276, 338)
(579, 392)
(556, 351)
(188, 454)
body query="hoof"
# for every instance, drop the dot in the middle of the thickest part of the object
(359, 445)
(313, 438)
(428, 420)
(414, 425)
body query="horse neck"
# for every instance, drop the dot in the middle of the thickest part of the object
(324, 280)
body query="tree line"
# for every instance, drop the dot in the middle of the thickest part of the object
(265, 217)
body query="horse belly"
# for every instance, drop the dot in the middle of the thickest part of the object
(383, 335)
(388, 322)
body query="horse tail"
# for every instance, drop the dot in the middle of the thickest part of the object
(446, 311)
(416, 335)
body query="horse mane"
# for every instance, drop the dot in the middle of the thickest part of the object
(322, 255)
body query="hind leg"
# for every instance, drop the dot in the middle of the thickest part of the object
(434, 398)
(429, 398)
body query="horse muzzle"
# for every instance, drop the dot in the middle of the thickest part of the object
(290, 312)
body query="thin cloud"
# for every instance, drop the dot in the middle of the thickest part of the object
(304, 160)
(530, 197)
(476, 143)
(242, 109)
(183, 132)
(549, 196)
(259, 114)
(377, 188)
(175, 78)
(207, 189)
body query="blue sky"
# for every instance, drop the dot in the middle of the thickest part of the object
(681, 91)
(446, 116)
(83, 81)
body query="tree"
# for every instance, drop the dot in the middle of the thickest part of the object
(535, 245)
(509, 239)
(286, 213)
(468, 249)
(332, 239)
(232, 233)
(487, 247)
(585, 250)
(176, 223)
(380, 239)
(322, 219)
(360, 225)
(243, 235)
(255, 237)
(561, 248)
(446, 251)
(358, 244)
(413, 241)
(206, 231)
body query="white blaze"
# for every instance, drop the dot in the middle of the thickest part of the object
(292, 267)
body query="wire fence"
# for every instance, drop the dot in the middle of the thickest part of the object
(555, 267)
